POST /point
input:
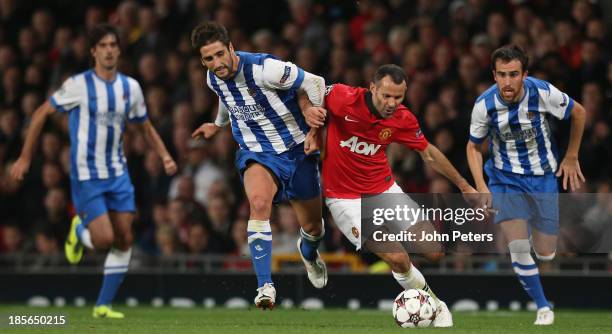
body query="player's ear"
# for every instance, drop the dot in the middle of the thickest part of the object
(231, 47)
(372, 87)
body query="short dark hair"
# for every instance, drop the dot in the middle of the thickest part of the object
(508, 53)
(99, 31)
(395, 72)
(207, 33)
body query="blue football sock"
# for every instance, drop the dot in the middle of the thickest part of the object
(260, 243)
(527, 272)
(310, 244)
(115, 267)
(533, 287)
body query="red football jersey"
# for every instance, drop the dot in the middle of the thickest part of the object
(355, 161)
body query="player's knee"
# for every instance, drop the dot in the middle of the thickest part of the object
(399, 262)
(260, 204)
(103, 241)
(434, 256)
(545, 256)
(519, 246)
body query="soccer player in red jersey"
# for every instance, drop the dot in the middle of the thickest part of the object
(361, 123)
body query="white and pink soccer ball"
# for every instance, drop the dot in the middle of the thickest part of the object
(414, 308)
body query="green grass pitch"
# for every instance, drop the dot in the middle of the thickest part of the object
(199, 320)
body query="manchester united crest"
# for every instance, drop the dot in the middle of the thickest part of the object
(385, 134)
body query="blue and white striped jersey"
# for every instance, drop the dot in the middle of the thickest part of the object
(521, 140)
(97, 112)
(262, 103)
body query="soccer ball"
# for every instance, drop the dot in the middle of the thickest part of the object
(414, 308)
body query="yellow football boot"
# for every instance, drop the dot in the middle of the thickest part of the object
(73, 247)
(104, 311)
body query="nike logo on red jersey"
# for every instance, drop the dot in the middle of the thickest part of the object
(346, 118)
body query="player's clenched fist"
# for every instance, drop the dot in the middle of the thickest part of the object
(19, 168)
(169, 166)
(315, 116)
(207, 130)
(311, 143)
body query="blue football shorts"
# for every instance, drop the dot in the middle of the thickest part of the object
(93, 198)
(534, 198)
(296, 173)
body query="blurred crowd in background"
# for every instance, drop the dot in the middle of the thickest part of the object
(444, 47)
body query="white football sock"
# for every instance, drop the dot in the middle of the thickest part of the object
(413, 279)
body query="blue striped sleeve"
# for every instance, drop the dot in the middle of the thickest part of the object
(477, 140)
(298, 81)
(138, 119)
(56, 105)
(568, 110)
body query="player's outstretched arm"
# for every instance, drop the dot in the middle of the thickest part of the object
(475, 162)
(438, 161)
(155, 141)
(22, 165)
(570, 166)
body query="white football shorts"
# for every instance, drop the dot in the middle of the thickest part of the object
(347, 214)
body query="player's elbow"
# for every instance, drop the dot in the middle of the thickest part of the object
(428, 154)
(44, 110)
(314, 86)
(578, 112)
(314, 80)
